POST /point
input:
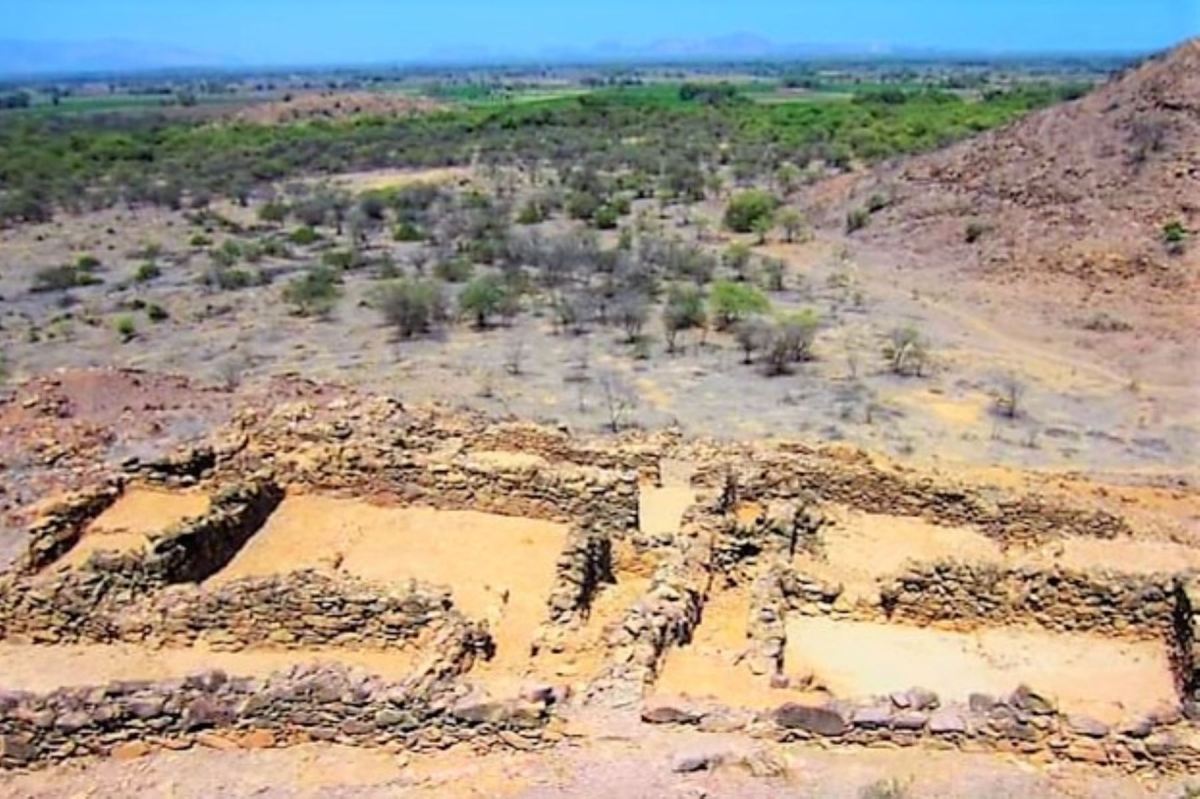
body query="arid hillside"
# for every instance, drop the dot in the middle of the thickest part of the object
(1103, 188)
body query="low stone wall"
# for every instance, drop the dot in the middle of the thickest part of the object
(1021, 724)
(1187, 639)
(59, 527)
(305, 609)
(640, 453)
(584, 564)
(83, 604)
(1011, 520)
(198, 548)
(780, 529)
(777, 590)
(667, 614)
(966, 596)
(324, 703)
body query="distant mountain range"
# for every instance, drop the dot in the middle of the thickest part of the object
(18, 57)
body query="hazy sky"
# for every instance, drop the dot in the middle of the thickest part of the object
(293, 31)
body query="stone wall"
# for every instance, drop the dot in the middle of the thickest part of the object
(636, 452)
(305, 609)
(59, 526)
(776, 591)
(325, 703)
(82, 604)
(1187, 639)
(585, 563)
(1021, 724)
(1011, 520)
(966, 596)
(780, 529)
(198, 548)
(668, 613)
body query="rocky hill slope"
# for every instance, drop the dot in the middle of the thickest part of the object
(1090, 189)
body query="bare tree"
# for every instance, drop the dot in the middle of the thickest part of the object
(1011, 392)
(618, 398)
(514, 354)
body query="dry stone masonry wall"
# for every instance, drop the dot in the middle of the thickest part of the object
(61, 525)
(1023, 723)
(1010, 520)
(325, 703)
(970, 595)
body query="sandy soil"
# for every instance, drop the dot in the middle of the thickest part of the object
(396, 178)
(28, 667)
(1119, 555)
(498, 568)
(712, 665)
(861, 547)
(1104, 678)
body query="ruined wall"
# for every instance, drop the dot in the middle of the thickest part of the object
(82, 604)
(1023, 723)
(198, 548)
(780, 529)
(1011, 520)
(325, 703)
(59, 527)
(305, 609)
(966, 596)
(636, 452)
(584, 564)
(1186, 653)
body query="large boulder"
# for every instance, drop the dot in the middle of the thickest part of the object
(827, 721)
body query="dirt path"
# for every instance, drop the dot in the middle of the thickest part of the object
(627, 761)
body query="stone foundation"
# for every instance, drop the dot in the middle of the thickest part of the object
(305, 704)
(60, 526)
(1022, 724)
(965, 596)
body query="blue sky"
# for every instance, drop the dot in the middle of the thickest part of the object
(303, 31)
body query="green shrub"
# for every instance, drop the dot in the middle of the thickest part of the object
(730, 302)
(1174, 236)
(532, 213)
(857, 219)
(789, 340)
(200, 240)
(746, 210)
(126, 328)
(411, 306)
(87, 263)
(314, 293)
(273, 212)
(227, 254)
(344, 260)
(974, 231)
(304, 235)
(454, 270)
(147, 272)
(228, 279)
(683, 310)
(606, 217)
(156, 313)
(61, 278)
(876, 203)
(907, 351)
(482, 297)
(406, 231)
